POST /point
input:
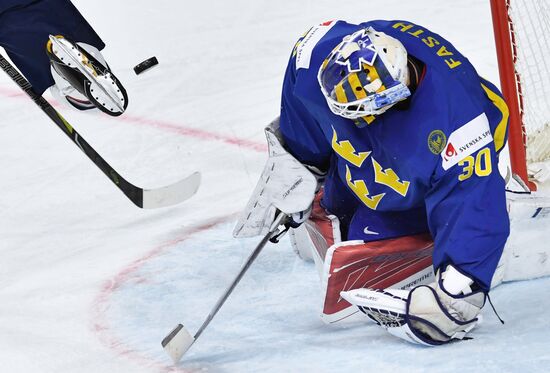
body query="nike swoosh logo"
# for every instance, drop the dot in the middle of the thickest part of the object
(366, 231)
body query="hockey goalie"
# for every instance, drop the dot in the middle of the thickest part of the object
(385, 159)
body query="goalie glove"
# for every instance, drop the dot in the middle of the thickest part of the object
(298, 218)
(431, 315)
(285, 185)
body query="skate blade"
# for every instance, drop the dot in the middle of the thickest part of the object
(103, 89)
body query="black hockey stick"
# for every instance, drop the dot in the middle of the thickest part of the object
(179, 340)
(143, 198)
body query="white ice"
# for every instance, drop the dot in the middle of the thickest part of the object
(90, 283)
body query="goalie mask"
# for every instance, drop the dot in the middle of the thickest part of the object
(366, 74)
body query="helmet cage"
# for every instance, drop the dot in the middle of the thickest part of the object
(358, 80)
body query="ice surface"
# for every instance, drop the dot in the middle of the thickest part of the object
(90, 283)
(271, 324)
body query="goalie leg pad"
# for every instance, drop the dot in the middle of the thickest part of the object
(312, 240)
(301, 243)
(399, 263)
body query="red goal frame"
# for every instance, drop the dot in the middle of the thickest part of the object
(511, 87)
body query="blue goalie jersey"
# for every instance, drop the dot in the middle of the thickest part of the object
(430, 164)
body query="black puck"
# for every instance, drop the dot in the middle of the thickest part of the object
(145, 65)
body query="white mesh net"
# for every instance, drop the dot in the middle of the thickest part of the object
(530, 27)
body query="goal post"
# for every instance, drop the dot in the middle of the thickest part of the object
(522, 37)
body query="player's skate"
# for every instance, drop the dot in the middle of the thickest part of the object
(83, 78)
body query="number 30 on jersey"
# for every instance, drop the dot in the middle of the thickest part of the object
(480, 165)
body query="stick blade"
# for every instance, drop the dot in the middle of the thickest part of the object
(172, 194)
(177, 343)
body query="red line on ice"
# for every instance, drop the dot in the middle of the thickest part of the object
(194, 132)
(100, 322)
(167, 126)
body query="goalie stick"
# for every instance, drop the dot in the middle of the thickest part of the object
(144, 198)
(179, 340)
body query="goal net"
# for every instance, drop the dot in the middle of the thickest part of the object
(522, 32)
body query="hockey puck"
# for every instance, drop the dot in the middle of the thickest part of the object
(145, 65)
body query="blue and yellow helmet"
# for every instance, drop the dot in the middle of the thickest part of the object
(365, 74)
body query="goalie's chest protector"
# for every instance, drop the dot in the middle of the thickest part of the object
(391, 163)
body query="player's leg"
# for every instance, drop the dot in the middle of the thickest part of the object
(338, 216)
(383, 250)
(83, 77)
(397, 256)
(442, 312)
(24, 33)
(396, 263)
(373, 225)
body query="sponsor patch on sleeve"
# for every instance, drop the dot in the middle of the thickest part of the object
(305, 48)
(466, 140)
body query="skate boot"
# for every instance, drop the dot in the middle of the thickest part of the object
(83, 78)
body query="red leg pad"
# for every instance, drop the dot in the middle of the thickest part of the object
(401, 263)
